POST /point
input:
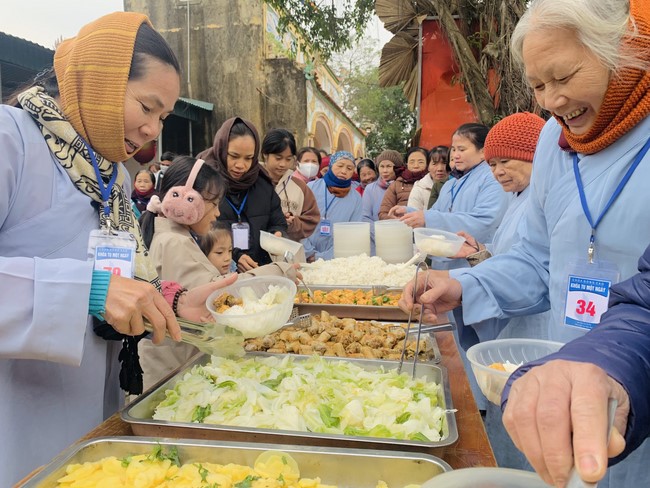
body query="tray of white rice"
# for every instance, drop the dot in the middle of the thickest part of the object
(357, 271)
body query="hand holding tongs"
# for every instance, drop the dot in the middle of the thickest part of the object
(288, 258)
(210, 338)
(422, 265)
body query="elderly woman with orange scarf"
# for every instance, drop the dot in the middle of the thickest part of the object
(586, 226)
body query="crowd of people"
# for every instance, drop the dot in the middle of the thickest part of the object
(541, 205)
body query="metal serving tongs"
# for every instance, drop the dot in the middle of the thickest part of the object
(574, 478)
(288, 258)
(420, 266)
(210, 338)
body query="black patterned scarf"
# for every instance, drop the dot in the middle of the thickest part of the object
(70, 150)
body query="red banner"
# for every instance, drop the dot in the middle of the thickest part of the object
(443, 106)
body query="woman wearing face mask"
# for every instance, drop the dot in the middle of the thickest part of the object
(298, 202)
(337, 203)
(64, 317)
(308, 164)
(389, 164)
(251, 204)
(397, 193)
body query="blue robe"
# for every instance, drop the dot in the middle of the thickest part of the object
(531, 276)
(346, 209)
(479, 203)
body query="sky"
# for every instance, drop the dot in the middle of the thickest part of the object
(45, 21)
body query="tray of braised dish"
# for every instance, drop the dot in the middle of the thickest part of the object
(112, 461)
(326, 335)
(306, 400)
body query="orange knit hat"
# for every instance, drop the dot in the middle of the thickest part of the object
(514, 137)
(92, 71)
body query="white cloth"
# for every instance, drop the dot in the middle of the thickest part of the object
(58, 379)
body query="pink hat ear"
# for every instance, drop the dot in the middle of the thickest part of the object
(183, 204)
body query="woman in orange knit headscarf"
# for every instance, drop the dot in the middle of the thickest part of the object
(60, 182)
(586, 226)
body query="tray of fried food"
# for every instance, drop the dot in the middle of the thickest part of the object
(327, 335)
(349, 296)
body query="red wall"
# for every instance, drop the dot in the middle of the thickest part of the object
(442, 107)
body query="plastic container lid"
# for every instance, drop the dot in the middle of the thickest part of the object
(436, 242)
(261, 323)
(277, 246)
(515, 351)
(486, 478)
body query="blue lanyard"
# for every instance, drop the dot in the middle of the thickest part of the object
(454, 195)
(617, 192)
(239, 210)
(104, 191)
(328, 205)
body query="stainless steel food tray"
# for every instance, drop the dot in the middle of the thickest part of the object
(140, 414)
(427, 334)
(367, 312)
(347, 468)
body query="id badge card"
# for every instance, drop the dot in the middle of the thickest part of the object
(325, 228)
(112, 251)
(240, 235)
(587, 292)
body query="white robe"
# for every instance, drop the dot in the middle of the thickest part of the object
(54, 371)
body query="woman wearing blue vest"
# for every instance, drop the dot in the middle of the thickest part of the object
(585, 227)
(336, 203)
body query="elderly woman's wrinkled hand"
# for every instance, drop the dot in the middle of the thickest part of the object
(435, 293)
(558, 411)
(129, 302)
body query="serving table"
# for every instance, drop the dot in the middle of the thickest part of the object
(472, 448)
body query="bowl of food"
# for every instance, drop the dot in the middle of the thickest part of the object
(255, 306)
(486, 478)
(278, 246)
(494, 361)
(436, 242)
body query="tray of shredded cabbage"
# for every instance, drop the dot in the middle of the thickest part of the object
(149, 462)
(300, 399)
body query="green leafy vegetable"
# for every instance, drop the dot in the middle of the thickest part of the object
(227, 384)
(419, 436)
(158, 454)
(403, 418)
(326, 416)
(200, 413)
(126, 461)
(246, 482)
(203, 472)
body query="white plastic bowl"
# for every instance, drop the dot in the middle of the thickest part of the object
(261, 323)
(436, 242)
(277, 246)
(516, 351)
(486, 478)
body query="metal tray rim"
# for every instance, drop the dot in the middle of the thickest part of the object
(450, 417)
(65, 456)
